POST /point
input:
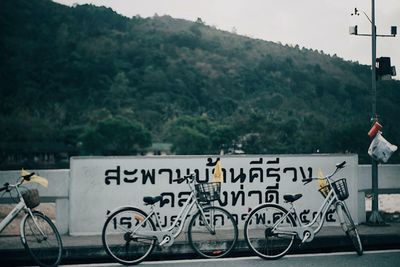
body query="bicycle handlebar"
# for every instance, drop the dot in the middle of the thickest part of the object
(341, 165)
(28, 176)
(185, 178)
(8, 187)
(338, 167)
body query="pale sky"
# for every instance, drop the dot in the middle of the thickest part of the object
(317, 24)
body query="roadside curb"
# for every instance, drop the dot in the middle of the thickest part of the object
(89, 249)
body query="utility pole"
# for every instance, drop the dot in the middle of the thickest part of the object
(375, 217)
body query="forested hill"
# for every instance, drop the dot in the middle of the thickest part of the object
(88, 80)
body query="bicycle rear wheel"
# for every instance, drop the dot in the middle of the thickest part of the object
(212, 233)
(118, 240)
(349, 227)
(259, 231)
(41, 239)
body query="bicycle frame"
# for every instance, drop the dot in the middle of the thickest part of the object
(11, 216)
(330, 199)
(16, 210)
(305, 232)
(166, 236)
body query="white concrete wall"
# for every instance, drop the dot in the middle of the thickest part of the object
(59, 184)
(100, 184)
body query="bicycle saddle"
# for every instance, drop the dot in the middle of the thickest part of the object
(292, 198)
(151, 200)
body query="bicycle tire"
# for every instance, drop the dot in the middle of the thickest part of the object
(218, 243)
(259, 235)
(350, 229)
(46, 250)
(117, 240)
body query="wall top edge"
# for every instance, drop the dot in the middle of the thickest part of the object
(213, 156)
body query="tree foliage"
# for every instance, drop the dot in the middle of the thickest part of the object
(115, 136)
(101, 83)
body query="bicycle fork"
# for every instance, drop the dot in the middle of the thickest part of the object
(38, 232)
(210, 226)
(340, 209)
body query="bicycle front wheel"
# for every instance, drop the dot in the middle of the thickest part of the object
(212, 232)
(41, 239)
(260, 231)
(121, 236)
(349, 227)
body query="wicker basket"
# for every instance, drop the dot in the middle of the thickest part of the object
(341, 190)
(31, 198)
(208, 192)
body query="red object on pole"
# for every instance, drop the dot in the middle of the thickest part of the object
(374, 129)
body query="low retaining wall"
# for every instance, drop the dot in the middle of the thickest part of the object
(65, 190)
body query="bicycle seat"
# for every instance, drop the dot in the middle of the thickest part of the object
(292, 198)
(151, 200)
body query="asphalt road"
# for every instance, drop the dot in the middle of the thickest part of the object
(388, 258)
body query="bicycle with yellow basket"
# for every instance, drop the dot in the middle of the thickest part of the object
(270, 229)
(39, 235)
(130, 234)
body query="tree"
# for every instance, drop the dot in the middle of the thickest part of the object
(190, 135)
(115, 136)
(189, 141)
(119, 89)
(222, 138)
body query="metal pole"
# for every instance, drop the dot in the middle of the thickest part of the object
(373, 62)
(375, 218)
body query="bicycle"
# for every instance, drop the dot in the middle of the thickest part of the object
(129, 234)
(39, 235)
(279, 228)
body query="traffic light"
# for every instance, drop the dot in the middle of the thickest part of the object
(393, 30)
(383, 69)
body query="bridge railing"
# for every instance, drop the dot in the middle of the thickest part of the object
(58, 189)
(57, 192)
(388, 183)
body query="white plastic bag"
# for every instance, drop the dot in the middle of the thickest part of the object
(380, 149)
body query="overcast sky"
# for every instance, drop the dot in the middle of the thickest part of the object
(317, 24)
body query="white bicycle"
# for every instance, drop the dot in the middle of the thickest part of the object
(130, 235)
(39, 235)
(270, 229)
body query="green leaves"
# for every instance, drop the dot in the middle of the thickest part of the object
(199, 135)
(115, 136)
(103, 84)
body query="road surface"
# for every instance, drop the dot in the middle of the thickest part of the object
(385, 258)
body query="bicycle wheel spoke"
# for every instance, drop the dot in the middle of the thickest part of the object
(121, 243)
(351, 230)
(215, 234)
(42, 240)
(260, 235)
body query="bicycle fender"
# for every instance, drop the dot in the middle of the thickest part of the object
(21, 227)
(109, 213)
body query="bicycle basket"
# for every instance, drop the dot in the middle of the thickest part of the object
(31, 198)
(208, 192)
(340, 187)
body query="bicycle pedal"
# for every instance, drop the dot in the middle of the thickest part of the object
(167, 241)
(306, 236)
